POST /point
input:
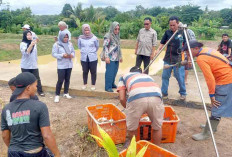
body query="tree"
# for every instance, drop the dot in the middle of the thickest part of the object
(190, 13)
(77, 11)
(90, 14)
(226, 15)
(67, 10)
(154, 11)
(110, 12)
(139, 11)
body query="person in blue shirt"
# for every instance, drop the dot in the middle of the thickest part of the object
(63, 51)
(88, 45)
(29, 59)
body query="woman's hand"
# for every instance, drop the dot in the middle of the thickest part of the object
(107, 60)
(65, 55)
(33, 42)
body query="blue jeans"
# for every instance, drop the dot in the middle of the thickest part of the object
(179, 73)
(111, 72)
(45, 152)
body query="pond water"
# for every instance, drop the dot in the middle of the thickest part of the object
(129, 59)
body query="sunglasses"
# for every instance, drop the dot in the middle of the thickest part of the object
(146, 23)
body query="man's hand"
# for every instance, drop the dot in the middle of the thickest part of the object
(65, 55)
(135, 52)
(214, 102)
(152, 56)
(107, 60)
(121, 60)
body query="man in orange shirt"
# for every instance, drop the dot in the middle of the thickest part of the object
(218, 75)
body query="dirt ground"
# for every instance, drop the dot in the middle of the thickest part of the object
(69, 124)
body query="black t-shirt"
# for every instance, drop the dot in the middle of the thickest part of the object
(24, 118)
(174, 48)
(224, 46)
(13, 97)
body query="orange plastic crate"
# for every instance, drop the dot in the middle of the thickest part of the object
(169, 127)
(152, 150)
(116, 130)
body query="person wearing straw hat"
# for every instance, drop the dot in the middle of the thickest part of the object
(144, 96)
(25, 122)
(217, 71)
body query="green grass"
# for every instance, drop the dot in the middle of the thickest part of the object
(9, 45)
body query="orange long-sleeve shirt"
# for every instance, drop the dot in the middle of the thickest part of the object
(216, 72)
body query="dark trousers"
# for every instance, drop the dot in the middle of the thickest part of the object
(145, 60)
(111, 72)
(92, 67)
(35, 72)
(63, 76)
(43, 153)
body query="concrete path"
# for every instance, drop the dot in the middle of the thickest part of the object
(48, 75)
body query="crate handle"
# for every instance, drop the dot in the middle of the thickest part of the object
(99, 107)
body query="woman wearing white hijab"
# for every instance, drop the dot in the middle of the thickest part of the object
(88, 45)
(63, 51)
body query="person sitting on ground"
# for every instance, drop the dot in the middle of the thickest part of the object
(12, 86)
(25, 122)
(225, 46)
(144, 96)
(218, 73)
(88, 45)
(26, 27)
(63, 51)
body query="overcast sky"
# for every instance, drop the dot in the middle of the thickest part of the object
(50, 7)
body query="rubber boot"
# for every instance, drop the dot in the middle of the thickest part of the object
(202, 126)
(206, 132)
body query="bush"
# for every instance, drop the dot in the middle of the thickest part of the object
(37, 31)
(76, 33)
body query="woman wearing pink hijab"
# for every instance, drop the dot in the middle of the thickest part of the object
(88, 45)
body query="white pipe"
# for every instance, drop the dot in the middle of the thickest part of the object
(202, 98)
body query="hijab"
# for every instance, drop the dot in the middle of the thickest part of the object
(25, 40)
(84, 36)
(61, 41)
(110, 35)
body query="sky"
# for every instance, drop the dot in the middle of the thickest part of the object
(51, 7)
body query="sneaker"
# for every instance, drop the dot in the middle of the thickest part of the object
(84, 87)
(67, 96)
(114, 86)
(182, 97)
(42, 94)
(57, 99)
(93, 88)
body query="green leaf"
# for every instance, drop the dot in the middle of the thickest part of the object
(142, 151)
(131, 151)
(107, 143)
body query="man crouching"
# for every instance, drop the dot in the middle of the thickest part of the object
(144, 96)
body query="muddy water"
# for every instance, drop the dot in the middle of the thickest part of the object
(129, 58)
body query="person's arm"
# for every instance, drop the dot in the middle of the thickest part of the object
(50, 140)
(96, 42)
(31, 46)
(136, 47)
(72, 55)
(106, 46)
(122, 97)
(55, 53)
(229, 51)
(210, 80)
(6, 137)
(154, 43)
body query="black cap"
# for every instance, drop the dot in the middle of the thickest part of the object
(22, 81)
(11, 82)
(136, 69)
(193, 43)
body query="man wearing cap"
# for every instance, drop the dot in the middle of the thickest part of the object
(26, 27)
(25, 122)
(144, 96)
(146, 43)
(173, 56)
(218, 76)
(12, 86)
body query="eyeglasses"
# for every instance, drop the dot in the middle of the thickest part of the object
(146, 24)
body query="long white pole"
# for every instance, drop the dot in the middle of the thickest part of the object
(202, 98)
